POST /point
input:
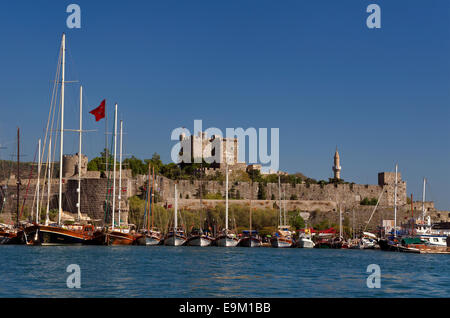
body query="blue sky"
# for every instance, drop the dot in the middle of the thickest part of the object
(311, 68)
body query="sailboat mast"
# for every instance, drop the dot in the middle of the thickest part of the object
(148, 199)
(175, 211)
(49, 179)
(395, 201)
(120, 168)
(38, 181)
(279, 195)
(152, 195)
(79, 155)
(226, 198)
(18, 174)
(423, 199)
(284, 206)
(63, 73)
(340, 221)
(114, 169)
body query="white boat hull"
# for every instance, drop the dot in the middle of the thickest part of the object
(174, 241)
(151, 241)
(227, 242)
(280, 243)
(305, 243)
(199, 241)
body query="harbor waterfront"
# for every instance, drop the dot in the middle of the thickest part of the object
(121, 271)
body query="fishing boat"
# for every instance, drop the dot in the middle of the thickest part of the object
(250, 238)
(199, 237)
(305, 240)
(121, 235)
(226, 238)
(152, 236)
(283, 236)
(7, 233)
(176, 236)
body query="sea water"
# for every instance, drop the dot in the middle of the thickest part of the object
(159, 271)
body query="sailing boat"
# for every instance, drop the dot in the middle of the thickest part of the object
(250, 237)
(15, 234)
(282, 237)
(226, 238)
(57, 234)
(177, 236)
(198, 236)
(113, 236)
(152, 236)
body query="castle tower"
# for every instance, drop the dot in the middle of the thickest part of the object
(337, 166)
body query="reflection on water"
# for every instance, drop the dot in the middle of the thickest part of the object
(218, 272)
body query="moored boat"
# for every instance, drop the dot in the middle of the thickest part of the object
(227, 239)
(176, 236)
(199, 237)
(250, 239)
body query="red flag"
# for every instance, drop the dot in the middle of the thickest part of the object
(99, 112)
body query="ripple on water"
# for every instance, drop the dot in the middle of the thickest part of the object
(218, 272)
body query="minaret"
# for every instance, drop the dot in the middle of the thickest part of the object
(337, 166)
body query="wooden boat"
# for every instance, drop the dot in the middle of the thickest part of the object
(115, 237)
(45, 235)
(305, 242)
(283, 237)
(177, 236)
(250, 239)
(198, 237)
(152, 236)
(226, 238)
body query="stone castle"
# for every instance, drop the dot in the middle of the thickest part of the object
(304, 197)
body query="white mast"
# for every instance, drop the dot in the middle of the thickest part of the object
(38, 183)
(423, 199)
(120, 169)
(63, 48)
(79, 155)
(395, 201)
(284, 206)
(49, 179)
(114, 174)
(279, 195)
(175, 211)
(340, 221)
(226, 198)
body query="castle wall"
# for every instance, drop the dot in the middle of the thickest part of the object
(345, 194)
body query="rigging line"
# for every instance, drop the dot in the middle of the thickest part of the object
(52, 101)
(48, 133)
(28, 185)
(374, 209)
